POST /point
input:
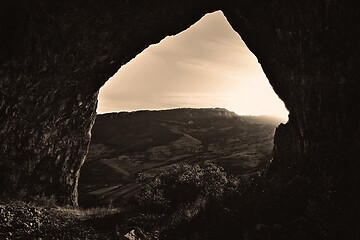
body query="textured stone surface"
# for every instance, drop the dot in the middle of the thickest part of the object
(55, 55)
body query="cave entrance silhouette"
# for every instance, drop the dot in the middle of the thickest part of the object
(206, 66)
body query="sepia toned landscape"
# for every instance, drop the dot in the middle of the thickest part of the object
(127, 145)
(149, 120)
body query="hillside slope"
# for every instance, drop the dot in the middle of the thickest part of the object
(127, 144)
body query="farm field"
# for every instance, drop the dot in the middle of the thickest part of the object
(128, 145)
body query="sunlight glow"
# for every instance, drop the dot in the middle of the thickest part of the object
(207, 65)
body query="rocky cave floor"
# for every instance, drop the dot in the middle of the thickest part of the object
(26, 221)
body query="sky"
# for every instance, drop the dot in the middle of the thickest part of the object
(207, 65)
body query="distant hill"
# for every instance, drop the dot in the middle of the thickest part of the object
(126, 144)
(265, 119)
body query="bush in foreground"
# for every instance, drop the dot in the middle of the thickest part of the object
(176, 197)
(203, 202)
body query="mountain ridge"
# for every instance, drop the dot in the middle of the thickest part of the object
(274, 119)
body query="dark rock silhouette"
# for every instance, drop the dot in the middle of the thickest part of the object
(56, 55)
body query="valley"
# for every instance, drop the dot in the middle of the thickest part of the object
(127, 146)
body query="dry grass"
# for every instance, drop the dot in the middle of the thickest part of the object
(26, 221)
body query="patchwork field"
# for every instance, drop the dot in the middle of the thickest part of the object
(126, 146)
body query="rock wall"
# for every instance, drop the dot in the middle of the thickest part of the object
(55, 55)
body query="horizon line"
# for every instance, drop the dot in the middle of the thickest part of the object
(195, 108)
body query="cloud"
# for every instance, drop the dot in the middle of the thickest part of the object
(208, 65)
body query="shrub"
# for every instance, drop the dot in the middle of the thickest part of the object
(181, 194)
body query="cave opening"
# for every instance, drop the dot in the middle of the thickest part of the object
(58, 56)
(198, 96)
